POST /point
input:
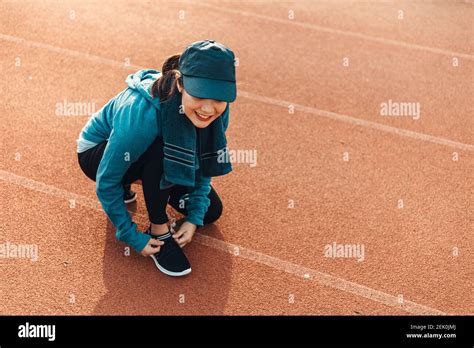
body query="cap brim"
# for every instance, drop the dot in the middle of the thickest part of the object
(210, 89)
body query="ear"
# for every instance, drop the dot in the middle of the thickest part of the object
(180, 88)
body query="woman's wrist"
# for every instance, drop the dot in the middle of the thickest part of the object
(193, 226)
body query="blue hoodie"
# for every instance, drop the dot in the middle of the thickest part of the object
(130, 124)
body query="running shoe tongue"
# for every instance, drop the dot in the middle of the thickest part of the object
(169, 248)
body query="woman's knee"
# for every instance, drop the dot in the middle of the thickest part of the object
(214, 212)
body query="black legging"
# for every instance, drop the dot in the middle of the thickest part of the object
(149, 168)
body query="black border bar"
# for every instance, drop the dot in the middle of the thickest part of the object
(329, 330)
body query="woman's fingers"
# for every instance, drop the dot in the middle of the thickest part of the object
(148, 250)
(152, 250)
(155, 242)
(184, 235)
(179, 234)
(153, 246)
(184, 240)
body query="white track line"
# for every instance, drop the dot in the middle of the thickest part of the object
(307, 274)
(359, 122)
(263, 99)
(68, 52)
(338, 31)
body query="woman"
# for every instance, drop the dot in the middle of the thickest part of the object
(167, 129)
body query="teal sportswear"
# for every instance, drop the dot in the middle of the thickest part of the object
(130, 124)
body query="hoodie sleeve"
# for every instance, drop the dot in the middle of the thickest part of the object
(198, 203)
(127, 141)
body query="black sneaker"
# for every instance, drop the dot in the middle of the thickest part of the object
(129, 196)
(170, 259)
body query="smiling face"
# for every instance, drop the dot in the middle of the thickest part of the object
(201, 112)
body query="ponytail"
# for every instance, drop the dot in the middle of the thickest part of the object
(165, 86)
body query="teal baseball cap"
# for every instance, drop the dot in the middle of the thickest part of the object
(208, 71)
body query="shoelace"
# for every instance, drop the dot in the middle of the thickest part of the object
(172, 226)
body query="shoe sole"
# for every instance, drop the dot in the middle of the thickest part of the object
(172, 274)
(130, 200)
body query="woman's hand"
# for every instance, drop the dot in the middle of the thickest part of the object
(153, 246)
(185, 233)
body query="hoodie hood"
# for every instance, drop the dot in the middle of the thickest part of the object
(141, 81)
